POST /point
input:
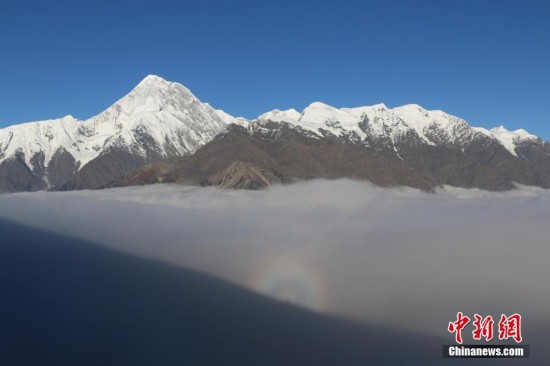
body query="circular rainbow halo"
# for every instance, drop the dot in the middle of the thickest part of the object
(291, 279)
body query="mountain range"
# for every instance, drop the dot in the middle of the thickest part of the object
(160, 132)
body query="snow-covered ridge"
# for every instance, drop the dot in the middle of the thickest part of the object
(433, 127)
(165, 111)
(281, 116)
(168, 118)
(509, 139)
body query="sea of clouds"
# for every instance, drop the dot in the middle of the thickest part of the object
(397, 257)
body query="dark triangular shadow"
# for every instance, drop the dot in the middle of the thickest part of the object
(69, 302)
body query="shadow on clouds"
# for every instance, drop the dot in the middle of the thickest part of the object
(393, 257)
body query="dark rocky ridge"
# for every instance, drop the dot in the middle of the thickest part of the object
(271, 153)
(16, 176)
(157, 120)
(110, 165)
(239, 158)
(267, 152)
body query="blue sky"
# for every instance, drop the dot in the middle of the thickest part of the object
(485, 60)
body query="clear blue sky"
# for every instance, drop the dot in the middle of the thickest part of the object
(485, 60)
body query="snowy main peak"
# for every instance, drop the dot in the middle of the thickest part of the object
(153, 79)
(159, 113)
(153, 94)
(159, 119)
(155, 85)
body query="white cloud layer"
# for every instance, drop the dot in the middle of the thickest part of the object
(397, 257)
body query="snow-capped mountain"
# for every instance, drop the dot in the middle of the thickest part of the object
(159, 119)
(407, 146)
(391, 127)
(511, 140)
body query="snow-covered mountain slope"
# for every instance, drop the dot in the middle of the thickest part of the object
(509, 139)
(40, 137)
(394, 125)
(281, 116)
(156, 115)
(160, 119)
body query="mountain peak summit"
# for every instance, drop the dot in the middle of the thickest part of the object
(500, 128)
(153, 79)
(152, 94)
(152, 84)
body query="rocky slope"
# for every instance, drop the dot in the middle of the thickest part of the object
(156, 120)
(164, 124)
(267, 152)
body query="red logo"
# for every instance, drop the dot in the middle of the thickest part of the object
(508, 327)
(484, 327)
(458, 325)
